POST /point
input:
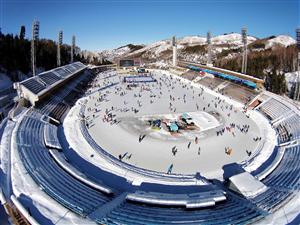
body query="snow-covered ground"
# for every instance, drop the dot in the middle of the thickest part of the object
(155, 152)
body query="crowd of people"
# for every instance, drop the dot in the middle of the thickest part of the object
(164, 87)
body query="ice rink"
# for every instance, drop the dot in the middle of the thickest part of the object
(117, 116)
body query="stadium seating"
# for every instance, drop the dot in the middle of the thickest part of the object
(71, 193)
(194, 200)
(273, 109)
(283, 134)
(57, 104)
(234, 211)
(53, 107)
(58, 111)
(34, 137)
(289, 129)
(7, 91)
(287, 173)
(271, 199)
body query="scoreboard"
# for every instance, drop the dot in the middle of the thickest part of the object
(126, 62)
(129, 62)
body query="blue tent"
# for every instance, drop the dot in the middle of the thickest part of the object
(173, 127)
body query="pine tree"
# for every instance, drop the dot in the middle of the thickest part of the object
(22, 33)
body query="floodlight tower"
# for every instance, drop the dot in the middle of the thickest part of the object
(59, 43)
(35, 37)
(174, 51)
(208, 41)
(297, 87)
(244, 40)
(72, 48)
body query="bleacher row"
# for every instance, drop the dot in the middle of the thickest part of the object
(271, 199)
(287, 173)
(289, 128)
(273, 109)
(7, 91)
(41, 82)
(287, 124)
(57, 183)
(284, 180)
(56, 105)
(195, 200)
(234, 211)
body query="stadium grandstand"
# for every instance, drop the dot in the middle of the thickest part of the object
(85, 145)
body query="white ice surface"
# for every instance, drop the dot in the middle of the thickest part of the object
(153, 153)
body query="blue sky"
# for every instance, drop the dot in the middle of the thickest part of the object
(104, 24)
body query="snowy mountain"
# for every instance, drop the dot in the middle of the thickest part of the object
(193, 47)
(119, 52)
(109, 54)
(282, 40)
(192, 40)
(231, 39)
(155, 48)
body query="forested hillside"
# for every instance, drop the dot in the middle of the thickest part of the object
(15, 54)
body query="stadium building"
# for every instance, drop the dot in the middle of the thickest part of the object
(90, 145)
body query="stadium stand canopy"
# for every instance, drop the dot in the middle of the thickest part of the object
(35, 88)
